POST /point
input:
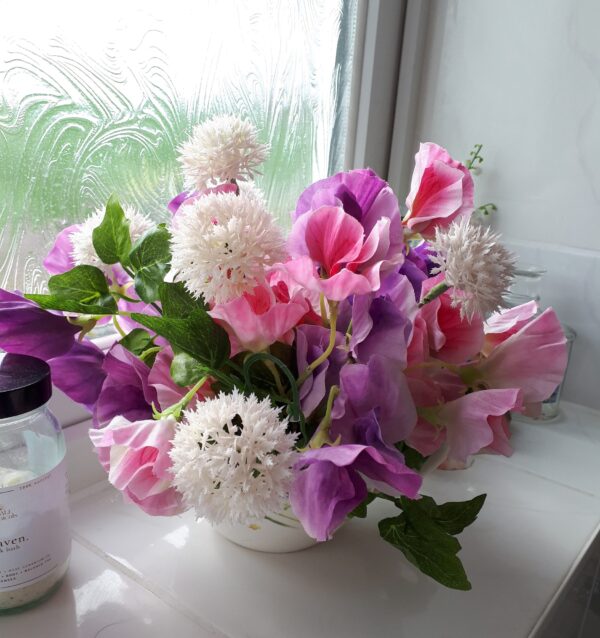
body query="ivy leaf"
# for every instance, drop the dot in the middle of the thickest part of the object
(185, 370)
(150, 259)
(176, 301)
(112, 240)
(413, 459)
(137, 341)
(82, 289)
(454, 517)
(197, 335)
(361, 510)
(433, 559)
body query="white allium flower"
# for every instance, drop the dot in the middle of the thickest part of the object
(82, 246)
(476, 264)
(222, 243)
(219, 150)
(232, 458)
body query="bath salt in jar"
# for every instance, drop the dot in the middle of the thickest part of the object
(35, 539)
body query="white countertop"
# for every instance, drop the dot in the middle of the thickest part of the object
(133, 576)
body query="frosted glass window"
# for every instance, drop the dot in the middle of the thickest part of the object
(96, 101)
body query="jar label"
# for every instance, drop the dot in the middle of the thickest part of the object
(35, 536)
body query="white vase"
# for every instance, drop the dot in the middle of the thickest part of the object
(278, 533)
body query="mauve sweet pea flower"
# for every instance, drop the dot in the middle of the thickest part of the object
(59, 259)
(311, 342)
(136, 457)
(349, 227)
(381, 386)
(441, 190)
(126, 390)
(330, 481)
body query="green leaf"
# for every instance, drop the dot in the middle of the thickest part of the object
(150, 259)
(419, 516)
(112, 240)
(185, 370)
(433, 559)
(361, 510)
(197, 335)
(413, 459)
(137, 341)
(176, 301)
(454, 517)
(82, 289)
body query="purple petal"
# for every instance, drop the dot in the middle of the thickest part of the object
(59, 258)
(323, 494)
(79, 373)
(27, 329)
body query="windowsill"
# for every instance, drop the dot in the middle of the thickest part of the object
(137, 576)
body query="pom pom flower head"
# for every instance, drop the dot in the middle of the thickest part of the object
(232, 458)
(222, 243)
(221, 149)
(475, 264)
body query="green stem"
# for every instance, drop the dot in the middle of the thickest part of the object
(273, 370)
(149, 352)
(434, 293)
(118, 327)
(321, 435)
(324, 316)
(332, 335)
(177, 408)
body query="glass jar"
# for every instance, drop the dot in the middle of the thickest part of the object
(35, 539)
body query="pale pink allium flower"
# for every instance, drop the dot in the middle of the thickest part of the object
(475, 264)
(221, 149)
(441, 190)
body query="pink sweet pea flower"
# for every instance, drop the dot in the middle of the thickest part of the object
(136, 457)
(533, 359)
(341, 261)
(255, 321)
(441, 190)
(451, 338)
(501, 325)
(466, 425)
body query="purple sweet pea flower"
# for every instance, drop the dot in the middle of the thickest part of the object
(378, 386)
(79, 373)
(330, 483)
(363, 195)
(378, 328)
(189, 197)
(126, 390)
(27, 329)
(311, 342)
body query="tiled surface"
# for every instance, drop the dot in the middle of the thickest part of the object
(133, 573)
(97, 601)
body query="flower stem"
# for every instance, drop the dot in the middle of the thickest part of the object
(324, 316)
(434, 293)
(118, 327)
(321, 435)
(332, 335)
(176, 409)
(273, 370)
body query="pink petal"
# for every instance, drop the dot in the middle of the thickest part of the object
(502, 324)
(333, 237)
(533, 359)
(466, 420)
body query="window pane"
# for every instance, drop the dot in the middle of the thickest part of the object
(98, 103)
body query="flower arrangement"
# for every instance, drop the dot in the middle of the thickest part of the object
(326, 369)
